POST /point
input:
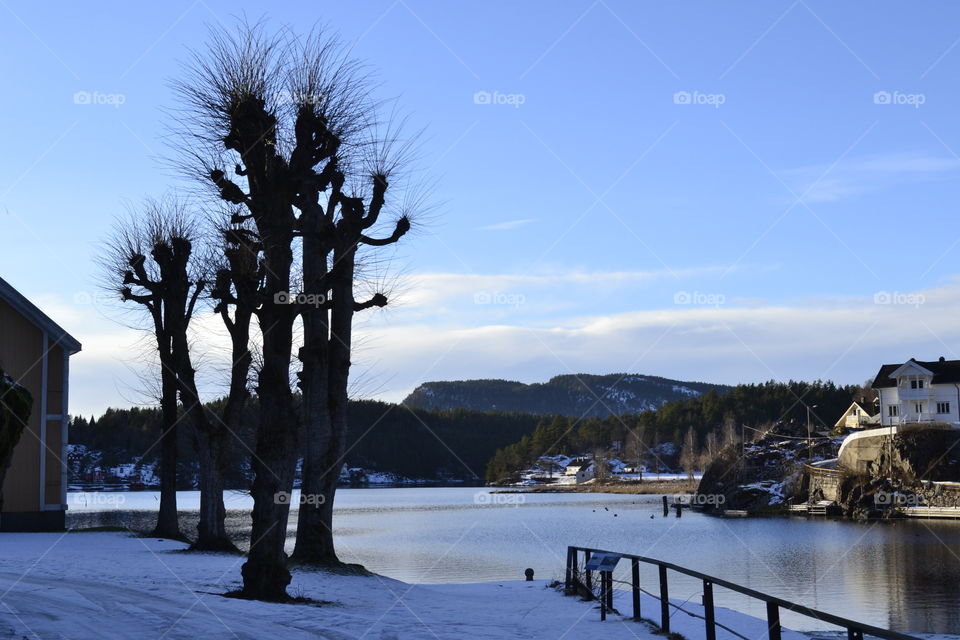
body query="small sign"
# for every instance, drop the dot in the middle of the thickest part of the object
(603, 561)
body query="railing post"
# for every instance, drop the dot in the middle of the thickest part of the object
(773, 621)
(568, 587)
(854, 634)
(664, 601)
(588, 579)
(635, 586)
(603, 596)
(708, 610)
(610, 591)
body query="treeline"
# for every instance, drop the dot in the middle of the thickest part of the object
(698, 426)
(435, 445)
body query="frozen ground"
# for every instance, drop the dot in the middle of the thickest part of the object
(111, 585)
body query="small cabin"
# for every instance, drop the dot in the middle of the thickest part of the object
(35, 353)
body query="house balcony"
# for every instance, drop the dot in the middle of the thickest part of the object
(912, 395)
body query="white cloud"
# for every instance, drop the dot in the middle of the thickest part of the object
(826, 183)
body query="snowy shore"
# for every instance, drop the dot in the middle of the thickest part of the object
(113, 585)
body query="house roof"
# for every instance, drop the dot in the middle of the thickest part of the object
(944, 372)
(32, 313)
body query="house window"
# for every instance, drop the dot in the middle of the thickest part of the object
(943, 407)
(893, 411)
(919, 384)
(916, 384)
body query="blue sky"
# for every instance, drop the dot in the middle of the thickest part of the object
(781, 166)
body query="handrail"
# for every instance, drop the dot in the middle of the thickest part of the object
(855, 630)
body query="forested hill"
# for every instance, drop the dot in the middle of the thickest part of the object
(569, 395)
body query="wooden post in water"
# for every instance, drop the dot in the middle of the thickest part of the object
(708, 613)
(666, 507)
(665, 601)
(773, 621)
(635, 586)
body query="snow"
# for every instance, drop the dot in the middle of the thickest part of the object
(112, 585)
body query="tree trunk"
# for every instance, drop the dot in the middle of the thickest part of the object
(314, 536)
(168, 526)
(265, 574)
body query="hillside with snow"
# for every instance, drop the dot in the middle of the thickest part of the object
(570, 395)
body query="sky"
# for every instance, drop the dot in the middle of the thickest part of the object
(727, 192)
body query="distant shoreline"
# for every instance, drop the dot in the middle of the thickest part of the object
(644, 487)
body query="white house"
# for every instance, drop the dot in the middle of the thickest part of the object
(858, 415)
(919, 392)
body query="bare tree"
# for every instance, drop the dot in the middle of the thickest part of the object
(148, 262)
(272, 125)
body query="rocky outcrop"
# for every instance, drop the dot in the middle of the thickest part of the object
(765, 476)
(14, 413)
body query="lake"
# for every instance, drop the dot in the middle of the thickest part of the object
(903, 575)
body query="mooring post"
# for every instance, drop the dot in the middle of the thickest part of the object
(664, 601)
(773, 621)
(635, 586)
(568, 587)
(708, 614)
(666, 507)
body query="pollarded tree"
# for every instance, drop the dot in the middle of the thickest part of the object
(268, 124)
(147, 261)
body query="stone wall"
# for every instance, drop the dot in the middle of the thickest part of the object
(824, 485)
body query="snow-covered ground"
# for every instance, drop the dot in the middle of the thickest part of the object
(111, 585)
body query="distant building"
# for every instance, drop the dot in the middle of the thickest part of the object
(35, 352)
(918, 391)
(858, 416)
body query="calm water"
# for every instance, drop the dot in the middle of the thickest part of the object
(902, 575)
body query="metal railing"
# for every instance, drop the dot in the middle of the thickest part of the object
(575, 577)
